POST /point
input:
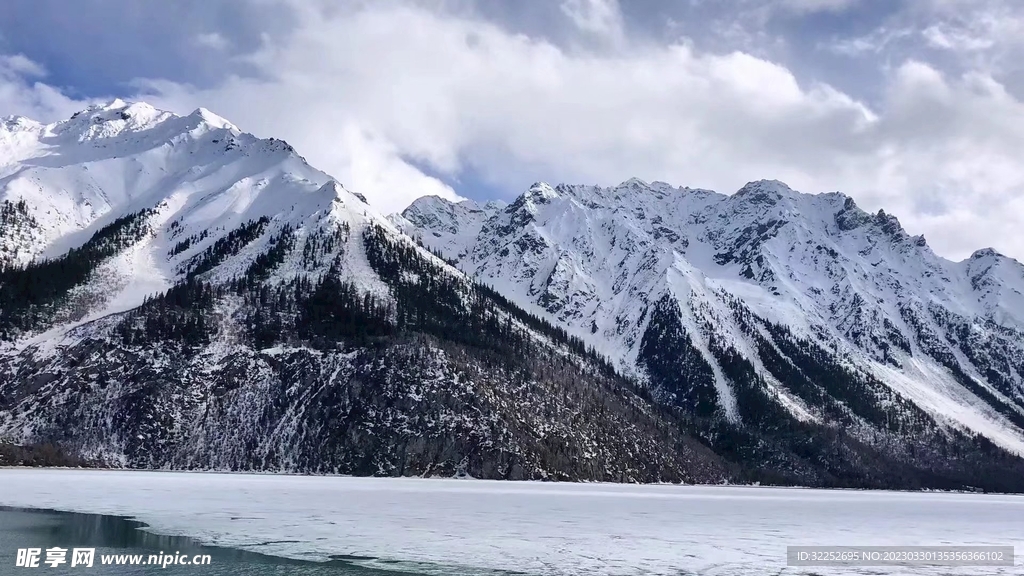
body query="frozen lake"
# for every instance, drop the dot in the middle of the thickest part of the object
(114, 537)
(483, 527)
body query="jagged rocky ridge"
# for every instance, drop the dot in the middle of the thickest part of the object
(176, 293)
(781, 317)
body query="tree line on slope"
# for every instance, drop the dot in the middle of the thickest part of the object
(30, 294)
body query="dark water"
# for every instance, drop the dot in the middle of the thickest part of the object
(111, 535)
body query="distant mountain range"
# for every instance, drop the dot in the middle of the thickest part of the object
(175, 293)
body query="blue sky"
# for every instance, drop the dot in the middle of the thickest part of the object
(914, 106)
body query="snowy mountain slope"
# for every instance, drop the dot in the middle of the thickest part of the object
(177, 293)
(198, 173)
(453, 225)
(750, 274)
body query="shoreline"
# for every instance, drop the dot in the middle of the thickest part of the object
(551, 482)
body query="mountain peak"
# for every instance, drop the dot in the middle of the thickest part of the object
(633, 182)
(115, 158)
(336, 191)
(212, 119)
(114, 104)
(889, 223)
(332, 187)
(116, 116)
(765, 187)
(16, 123)
(762, 193)
(542, 191)
(102, 121)
(985, 253)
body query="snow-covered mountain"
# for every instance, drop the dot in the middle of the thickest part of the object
(844, 317)
(198, 174)
(177, 293)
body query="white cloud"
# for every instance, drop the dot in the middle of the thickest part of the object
(21, 92)
(370, 94)
(20, 64)
(357, 92)
(453, 92)
(948, 159)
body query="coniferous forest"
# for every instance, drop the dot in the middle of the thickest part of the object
(29, 294)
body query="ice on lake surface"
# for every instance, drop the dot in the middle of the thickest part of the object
(480, 527)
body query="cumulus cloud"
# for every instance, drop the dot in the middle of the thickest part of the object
(949, 159)
(370, 92)
(454, 93)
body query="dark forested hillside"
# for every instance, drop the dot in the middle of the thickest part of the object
(863, 435)
(30, 294)
(440, 378)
